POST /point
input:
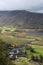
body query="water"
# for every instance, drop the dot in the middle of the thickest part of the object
(35, 33)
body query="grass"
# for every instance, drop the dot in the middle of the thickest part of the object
(12, 40)
(20, 38)
(16, 40)
(37, 49)
(22, 61)
(3, 29)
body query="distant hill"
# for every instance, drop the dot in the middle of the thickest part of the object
(21, 18)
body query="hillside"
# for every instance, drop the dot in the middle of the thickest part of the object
(21, 18)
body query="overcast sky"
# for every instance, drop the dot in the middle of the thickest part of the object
(30, 5)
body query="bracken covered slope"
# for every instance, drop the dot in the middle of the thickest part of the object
(21, 18)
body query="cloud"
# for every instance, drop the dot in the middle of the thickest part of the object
(30, 5)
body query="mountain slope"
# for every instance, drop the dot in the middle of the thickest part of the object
(21, 18)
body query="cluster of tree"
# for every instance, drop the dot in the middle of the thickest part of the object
(4, 60)
(34, 57)
(38, 58)
(29, 48)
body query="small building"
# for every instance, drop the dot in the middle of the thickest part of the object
(13, 53)
(16, 52)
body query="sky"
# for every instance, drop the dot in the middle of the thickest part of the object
(29, 5)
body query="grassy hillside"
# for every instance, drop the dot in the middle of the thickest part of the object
(21, 19)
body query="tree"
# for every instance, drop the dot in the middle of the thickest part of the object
(4, 60)
(41, 58)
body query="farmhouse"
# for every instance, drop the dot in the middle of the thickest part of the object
(16, 52)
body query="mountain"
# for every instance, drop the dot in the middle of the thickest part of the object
(21, 18)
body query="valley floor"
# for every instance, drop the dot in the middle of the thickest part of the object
(33, 45)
